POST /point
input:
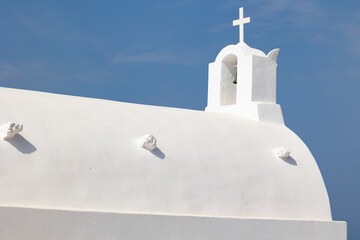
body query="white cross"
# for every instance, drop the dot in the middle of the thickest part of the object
(241, 21)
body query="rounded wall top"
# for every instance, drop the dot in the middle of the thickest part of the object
(239, 49)
(249, 50)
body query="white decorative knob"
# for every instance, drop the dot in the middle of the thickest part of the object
(283, 152)
(148, 142)
(10, 129)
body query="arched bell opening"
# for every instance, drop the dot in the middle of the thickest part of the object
(228, 80)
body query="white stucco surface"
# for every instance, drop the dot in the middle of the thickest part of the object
(21, 223)
(81, 153)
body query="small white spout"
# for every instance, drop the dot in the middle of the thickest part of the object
(283, 152)
(10, 129)
(148, 142)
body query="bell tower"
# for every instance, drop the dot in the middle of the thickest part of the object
(242, 81)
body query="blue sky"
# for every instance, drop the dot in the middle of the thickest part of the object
(156, 52)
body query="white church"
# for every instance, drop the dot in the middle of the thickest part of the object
(82, 168)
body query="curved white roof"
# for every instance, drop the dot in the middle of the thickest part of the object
(81, 153)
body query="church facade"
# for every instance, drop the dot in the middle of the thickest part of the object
(81, 168)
